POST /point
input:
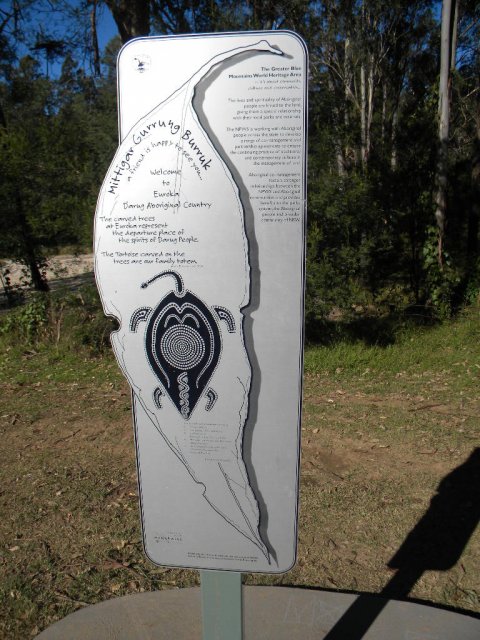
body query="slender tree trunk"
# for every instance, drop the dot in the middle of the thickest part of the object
(348, 89)
(474, 209)
(29, 254)
(132, 17)
(384, 112)
(339, 156)
(347, 82)
(370, 87)
(393, 138)
(337, 138)
(454, 34)
(446, 56)
(94, 35)
(366, 110)
(363, 116)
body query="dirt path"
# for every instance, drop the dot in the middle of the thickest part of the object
(59, 267)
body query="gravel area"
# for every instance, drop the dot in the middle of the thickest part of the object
(59, 267)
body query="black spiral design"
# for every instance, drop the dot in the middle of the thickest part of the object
(182, 347)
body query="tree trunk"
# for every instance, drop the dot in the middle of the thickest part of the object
(132, 17)
(370, 87)
(337, 138)
(94, 35)
(384, 112)
(336, 119)
(393, 137)
(454, 35)
(474, 209)
(446, 57)
(347, 82)
(29, 254)
(363, 116)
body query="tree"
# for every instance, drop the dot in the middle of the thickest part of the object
(132, 17)
(21, 162)
(447, 65)
(372, 134)
(58, 139)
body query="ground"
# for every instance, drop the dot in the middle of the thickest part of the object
(389, 480)
(59, 267)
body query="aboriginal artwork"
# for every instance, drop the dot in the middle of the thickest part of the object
(183, 345)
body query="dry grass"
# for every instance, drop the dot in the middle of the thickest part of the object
(377, 443)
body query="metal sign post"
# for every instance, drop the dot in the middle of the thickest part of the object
(222, 605)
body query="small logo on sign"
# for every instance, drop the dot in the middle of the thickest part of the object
(142, 63)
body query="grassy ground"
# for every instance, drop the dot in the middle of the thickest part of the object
(385, 430)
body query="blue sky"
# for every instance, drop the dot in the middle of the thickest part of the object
(54, 25)
(106, 28)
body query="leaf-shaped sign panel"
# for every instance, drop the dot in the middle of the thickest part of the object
(199, 237)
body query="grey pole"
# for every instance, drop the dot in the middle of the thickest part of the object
(222, 606)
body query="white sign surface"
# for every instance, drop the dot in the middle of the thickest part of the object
(199, 253)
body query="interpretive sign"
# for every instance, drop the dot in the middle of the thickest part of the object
(199, 254)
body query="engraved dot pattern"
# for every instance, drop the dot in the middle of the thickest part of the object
(182, 347)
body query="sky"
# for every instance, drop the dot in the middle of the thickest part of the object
(106, 28)
(55, 26)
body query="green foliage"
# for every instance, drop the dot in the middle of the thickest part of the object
(472, 285)
(372, 151)
(28, 323)
(372, 163)
(84, 323)
(66, 321)
(441, 280)
(350, 245)
(58, 138)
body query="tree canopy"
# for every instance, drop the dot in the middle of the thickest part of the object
(375, 157)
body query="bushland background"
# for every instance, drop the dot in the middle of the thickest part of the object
(390, 474)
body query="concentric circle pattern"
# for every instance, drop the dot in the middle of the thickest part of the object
(182, 347)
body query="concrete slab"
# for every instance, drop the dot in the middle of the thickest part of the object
(276, 613)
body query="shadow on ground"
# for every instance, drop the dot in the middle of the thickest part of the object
(21, 296)
(379, 330)
(435, 543)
